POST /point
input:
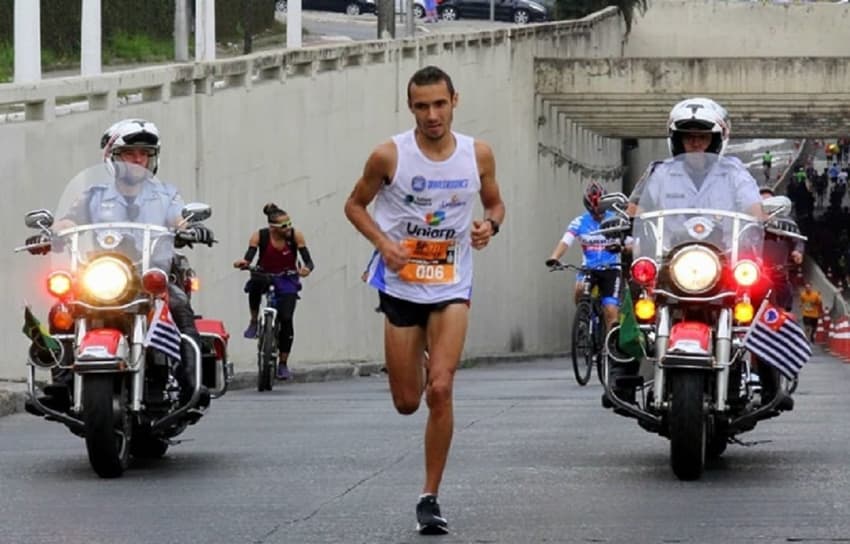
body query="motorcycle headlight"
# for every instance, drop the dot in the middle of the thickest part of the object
(106, 279)
(695, 269)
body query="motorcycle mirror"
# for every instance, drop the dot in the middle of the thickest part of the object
(615, 201)
(776, 205)
(39, 219)
(196, 211)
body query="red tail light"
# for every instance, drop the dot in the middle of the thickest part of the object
(644, 271)
(746, 273)
(155, 282)
(59, 284)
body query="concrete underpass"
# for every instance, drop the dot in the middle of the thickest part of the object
(556, 102)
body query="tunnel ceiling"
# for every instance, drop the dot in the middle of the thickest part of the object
(631, 98)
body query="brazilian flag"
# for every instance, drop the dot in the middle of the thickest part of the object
(43, 343)
(630, 339)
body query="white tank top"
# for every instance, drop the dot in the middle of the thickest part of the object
(428, 207)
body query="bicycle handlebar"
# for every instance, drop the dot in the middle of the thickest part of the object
(256, 270)
(558, 265)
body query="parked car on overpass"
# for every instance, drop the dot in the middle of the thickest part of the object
(518, 11)
(350, 7)
(418, 7)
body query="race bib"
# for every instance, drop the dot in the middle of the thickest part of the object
(431, 262)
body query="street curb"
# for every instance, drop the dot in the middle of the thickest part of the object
(344, 370)
(12, 401)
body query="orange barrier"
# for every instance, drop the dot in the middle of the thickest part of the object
(839, 339)
(822, 331)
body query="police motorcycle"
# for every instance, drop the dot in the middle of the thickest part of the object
(697, 275)
(110, 321)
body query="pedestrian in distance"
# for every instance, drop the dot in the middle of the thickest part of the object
(424, 183)
(811, 305)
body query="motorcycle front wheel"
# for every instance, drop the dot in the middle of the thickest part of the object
(687, 423)
(107, 425)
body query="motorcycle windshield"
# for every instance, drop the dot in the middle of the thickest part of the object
(698, 198)
(116, 208)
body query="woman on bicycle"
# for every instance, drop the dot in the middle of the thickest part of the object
(277, 246)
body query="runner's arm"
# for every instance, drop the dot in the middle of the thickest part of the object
(378, 171)
(491, 198)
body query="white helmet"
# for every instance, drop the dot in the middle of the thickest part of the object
(698, 115)
(131, 133)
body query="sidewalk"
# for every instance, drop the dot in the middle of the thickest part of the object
(13, 393)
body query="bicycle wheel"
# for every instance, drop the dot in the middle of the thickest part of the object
(582, 348)
(265, 359)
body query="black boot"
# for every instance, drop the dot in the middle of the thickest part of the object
(621, 379)
(57, 395)
(769, 379)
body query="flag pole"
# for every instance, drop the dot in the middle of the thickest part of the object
(758, 315)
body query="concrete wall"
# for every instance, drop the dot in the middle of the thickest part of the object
(295, 127)
(733, 28)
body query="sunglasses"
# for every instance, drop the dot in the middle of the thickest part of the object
(284, 225)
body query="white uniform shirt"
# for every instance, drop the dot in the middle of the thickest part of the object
(726, 186)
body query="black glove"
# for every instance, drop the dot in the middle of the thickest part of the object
(194, 234)
(203, 235)
(552, 262)
(614, 247)
(38, 239)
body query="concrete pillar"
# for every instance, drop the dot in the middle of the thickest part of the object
(204, 30)
(27, 30)
(90, 39)
(181, 31)
(293, 24)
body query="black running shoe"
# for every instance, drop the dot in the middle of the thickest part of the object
(429, 520)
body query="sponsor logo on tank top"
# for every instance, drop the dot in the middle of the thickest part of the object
(428, 232)
(448, 184)
(453, 202)
(418, 184)
(414, 200)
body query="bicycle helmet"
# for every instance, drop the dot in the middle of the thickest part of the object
(131, 133)
(592, 194)
(698, 115)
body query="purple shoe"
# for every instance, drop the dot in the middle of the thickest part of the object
(283, 371)
(251, 331)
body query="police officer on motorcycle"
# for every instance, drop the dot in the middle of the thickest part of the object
(699, 127)
(135, 199)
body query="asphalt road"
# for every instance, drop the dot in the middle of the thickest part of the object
(535, 459)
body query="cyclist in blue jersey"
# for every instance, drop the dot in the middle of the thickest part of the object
(599, 253)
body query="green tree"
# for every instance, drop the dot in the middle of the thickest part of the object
(576, 9)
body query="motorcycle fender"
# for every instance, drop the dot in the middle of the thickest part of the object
(690, 338)
(689, 346)
(103, 345)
